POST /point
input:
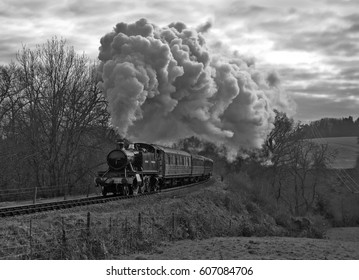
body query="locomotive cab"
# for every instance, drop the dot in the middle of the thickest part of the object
(151, 157)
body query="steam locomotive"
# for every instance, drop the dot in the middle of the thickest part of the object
(141, 167)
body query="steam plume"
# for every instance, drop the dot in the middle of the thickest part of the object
(162, 84)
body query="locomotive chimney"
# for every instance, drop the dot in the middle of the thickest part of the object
(120, 145)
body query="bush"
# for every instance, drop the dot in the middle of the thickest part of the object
(239, 182)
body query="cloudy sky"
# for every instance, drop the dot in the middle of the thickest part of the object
(313, 45)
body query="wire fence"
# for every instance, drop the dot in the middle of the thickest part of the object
(35, 194)
(94, 238)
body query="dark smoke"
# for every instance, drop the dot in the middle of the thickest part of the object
(163, 84)
(203, 28)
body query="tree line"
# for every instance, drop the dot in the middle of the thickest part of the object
(288, 168)
(332, 127)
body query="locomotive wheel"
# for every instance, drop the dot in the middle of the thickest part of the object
(135, 188)
(125, 190)
(142, 188)
(115, 190)
(156, 187)
(145, 185)
(154, 184)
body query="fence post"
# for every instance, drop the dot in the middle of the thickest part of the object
(139, 222)
(110, 224)
(66, 187)
(35, 195)
(30, 239)
(126, 229)
(63, 238)
(173, 225)
(88, 190)
(88, 224)
(153, 225)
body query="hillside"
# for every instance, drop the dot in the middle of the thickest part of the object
(345, 148)
(213, 221)
(332, 127)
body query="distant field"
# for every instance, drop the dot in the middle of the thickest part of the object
(347, 149)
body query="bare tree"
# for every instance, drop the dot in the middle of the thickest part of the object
(10, 97)
(298, 164)
(61, 107)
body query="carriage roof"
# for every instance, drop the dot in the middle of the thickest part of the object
(171, 151)
(175, 151)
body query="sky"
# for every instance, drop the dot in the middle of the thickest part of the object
(313, 45)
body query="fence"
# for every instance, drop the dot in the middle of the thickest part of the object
(88, 238)
(33, 194)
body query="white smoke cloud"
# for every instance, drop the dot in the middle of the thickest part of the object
(163, 84)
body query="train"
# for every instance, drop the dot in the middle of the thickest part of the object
(140, 167)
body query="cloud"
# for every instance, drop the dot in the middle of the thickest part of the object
(321, 96)
(305, 40)
(27, 9)
(203, 28)
(336, 43)
(311, 104)
(354, 28)
(350, 74)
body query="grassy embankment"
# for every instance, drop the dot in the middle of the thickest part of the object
(117, 229)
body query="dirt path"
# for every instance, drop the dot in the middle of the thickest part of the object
(341, 243)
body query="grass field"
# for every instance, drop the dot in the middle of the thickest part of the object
(346, 148)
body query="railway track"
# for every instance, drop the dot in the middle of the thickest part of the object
(65, 204)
